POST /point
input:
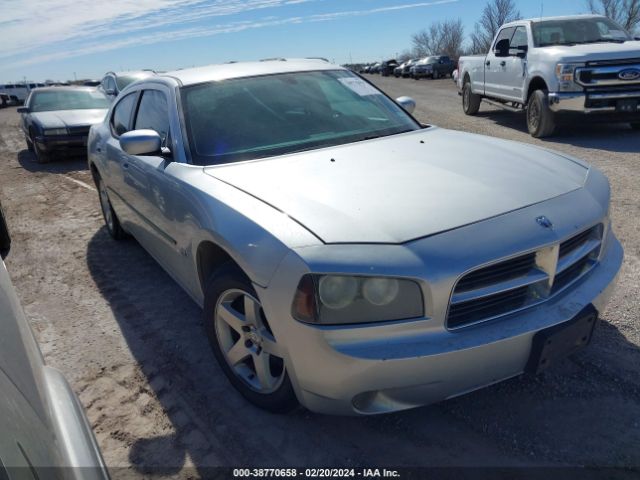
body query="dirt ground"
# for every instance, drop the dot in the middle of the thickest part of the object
(132, 343)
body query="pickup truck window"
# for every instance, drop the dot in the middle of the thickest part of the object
(519, 39)
(505, 33)
(577, 31)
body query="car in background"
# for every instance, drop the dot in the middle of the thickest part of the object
(58, 119)
(92, 83)
(434, 67)
(406, 67)
(375, 68)
(346, 256)
(43, 429)
(387, 67)
(557, 70)
(114, 82)
(4, 100)
(17, 92)
(397, 72)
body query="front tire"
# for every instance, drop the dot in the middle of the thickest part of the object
(41, 155)
(110, 218)
(540, 119)
(243, 342)
(470, 101)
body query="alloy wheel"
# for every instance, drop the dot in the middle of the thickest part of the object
(247, 342)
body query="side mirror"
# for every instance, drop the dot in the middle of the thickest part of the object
(5, 238)
(502, 48)
(141, 142)
(521, 51)
(23, 109)
(407, 103)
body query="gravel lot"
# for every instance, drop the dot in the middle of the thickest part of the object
(133, 347)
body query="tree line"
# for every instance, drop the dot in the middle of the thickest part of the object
(448, 37)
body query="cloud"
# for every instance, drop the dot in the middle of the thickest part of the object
(125, 23)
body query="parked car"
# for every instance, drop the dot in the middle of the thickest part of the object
(44, 432)
(92, 83)
(57, 119)
(340, 260)
(4, 100)
(375, 68)
(114, 82)
(387, 67)
(17, 92)
(406, 68)
(397, 72)
(433, 67)
(557, 69)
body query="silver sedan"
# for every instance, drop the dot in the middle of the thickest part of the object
(347, 257)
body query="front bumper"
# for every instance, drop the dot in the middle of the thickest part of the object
(378, 368)
(594, 102)
(51, 143)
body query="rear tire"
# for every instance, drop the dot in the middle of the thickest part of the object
(470, 101)
(252, 368)
(540, 119)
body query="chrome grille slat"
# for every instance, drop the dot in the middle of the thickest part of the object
(511, 285)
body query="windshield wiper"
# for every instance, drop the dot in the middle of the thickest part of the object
(373, 137)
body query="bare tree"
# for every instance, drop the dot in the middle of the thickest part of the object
(441, 38)
(405, 55)
(625, 12)
(494, 14)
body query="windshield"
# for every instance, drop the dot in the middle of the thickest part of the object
(577, 31)
(45, 101)
(256, 117)
(124, 80)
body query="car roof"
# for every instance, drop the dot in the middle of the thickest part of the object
(547, 19)
(80, 88)
(191, 76)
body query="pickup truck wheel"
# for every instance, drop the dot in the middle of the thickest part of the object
(540, 119)
(110, 217)
(635, 125)
(470, 101)
(243, 342)
(435, 75)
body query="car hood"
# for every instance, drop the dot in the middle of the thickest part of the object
(594, 52)
(404, 187)
(69, 118)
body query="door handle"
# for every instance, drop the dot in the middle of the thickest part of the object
(488, 63)
(503, 63)
(125, 165)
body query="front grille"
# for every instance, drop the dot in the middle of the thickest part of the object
(520, 282)
(497, 273)
(606, 74)
(84, 130)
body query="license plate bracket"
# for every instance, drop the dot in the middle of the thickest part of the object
(557, 342)
(627, 106)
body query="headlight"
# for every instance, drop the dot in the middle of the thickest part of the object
(565, 72)
(56, 131)
(342, 300)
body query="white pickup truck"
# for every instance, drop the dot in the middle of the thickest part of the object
(557, 68)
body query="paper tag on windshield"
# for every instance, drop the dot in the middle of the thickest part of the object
(359, 86)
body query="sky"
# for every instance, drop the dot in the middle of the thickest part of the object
(67, 39)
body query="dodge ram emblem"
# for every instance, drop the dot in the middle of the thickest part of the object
(629, 74)
(544, 222)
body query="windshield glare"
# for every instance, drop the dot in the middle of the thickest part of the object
(577, 31)
(67, 100)
(255, 117)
